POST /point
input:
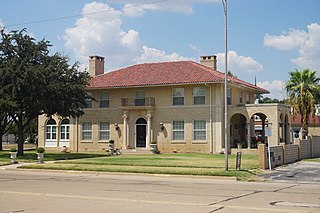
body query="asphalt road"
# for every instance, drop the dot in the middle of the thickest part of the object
(44, 191)
(299, 172)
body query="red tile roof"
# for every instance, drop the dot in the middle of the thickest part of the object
(164, 73)
(296, 120)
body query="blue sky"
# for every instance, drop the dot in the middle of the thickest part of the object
(267, 38)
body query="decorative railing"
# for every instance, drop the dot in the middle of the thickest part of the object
(148, 101)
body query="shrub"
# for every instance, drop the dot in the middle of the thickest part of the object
(13, 149)
(40, 150)
(111, 141)
(153, 142)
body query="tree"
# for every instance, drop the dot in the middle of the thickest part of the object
(5, 125)
(303, 93)
(34, 82)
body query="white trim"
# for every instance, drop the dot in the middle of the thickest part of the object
(184, 132)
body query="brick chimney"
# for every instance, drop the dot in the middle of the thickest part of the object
(96, 65)
(209, 61)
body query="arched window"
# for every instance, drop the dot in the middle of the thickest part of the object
(65, 129)
(51, 133)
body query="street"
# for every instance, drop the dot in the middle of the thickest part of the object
(58, 191)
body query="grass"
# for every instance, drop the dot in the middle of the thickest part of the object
(175, 164)
(312, 160)
(31, 156)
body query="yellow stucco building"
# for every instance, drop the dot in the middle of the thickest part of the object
(180, 105)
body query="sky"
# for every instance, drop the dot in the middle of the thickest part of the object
(266, 38)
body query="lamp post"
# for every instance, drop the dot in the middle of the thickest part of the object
(225, 7)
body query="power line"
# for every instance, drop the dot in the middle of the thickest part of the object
(84, 14)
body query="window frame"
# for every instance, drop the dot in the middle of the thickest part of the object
(229, 96)
(176, 96)
(203, 130)
(51, 127)
(101, 131)
(89, 101)
(174, 139)
(86, 131)
(104, 100)
(240, 97)
(248, 98)
(66, 131)
(198, 96)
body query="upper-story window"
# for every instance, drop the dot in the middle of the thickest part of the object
(229, 96)
(199, 95)
(89, 101)
(104, 100)
(140, 98)
(240, 97)
(248, 98)
(178, 96)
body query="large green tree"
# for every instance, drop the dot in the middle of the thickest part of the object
(303, 93)
(34, 82)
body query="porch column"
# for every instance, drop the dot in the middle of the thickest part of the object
(125, 131)
(148, 130)
(248, 136)
(263, 136)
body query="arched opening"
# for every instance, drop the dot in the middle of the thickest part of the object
(141, 133)
(64, 133)
(51, 133)
(260, 121)
(238, 131)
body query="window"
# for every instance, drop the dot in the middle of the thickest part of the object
(89, 101)
(247, 98)
(86, 131)
(51, 130)
(240, 97)
(178, 96)
(229, 96)
(104, 100)
(199, 95)
(177, 130)
(65, 129)
(104, 131)
(140, 98)
(199, 130)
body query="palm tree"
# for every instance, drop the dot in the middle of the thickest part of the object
(303, 91)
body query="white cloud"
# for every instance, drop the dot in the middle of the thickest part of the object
(238, 64)
(1, 24)
(138, 7)
(102, 34)
(152, 55)
(276, 89)
(307, 43)
(197, 49)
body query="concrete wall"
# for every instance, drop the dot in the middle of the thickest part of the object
(285, 154)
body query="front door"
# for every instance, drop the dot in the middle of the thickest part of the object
(141, 132)
(141, 135)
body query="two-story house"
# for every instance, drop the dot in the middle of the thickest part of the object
(178, 104)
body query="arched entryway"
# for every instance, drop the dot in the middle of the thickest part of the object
(141, 133)
(238, 131)
(260, 122)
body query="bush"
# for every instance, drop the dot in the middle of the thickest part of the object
(13, 149)
(40, 150)
(111, 141)
(153, 142)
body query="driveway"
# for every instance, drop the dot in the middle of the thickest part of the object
(299, 172)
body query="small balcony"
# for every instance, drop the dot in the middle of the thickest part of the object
(138, 103)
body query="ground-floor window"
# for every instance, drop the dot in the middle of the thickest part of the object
(51, 133)
(86, 131)
(177, 130)
(199, 130)
(104, 131)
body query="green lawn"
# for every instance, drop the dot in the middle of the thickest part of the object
(313, 160)
(176, 164)
(31, 156)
